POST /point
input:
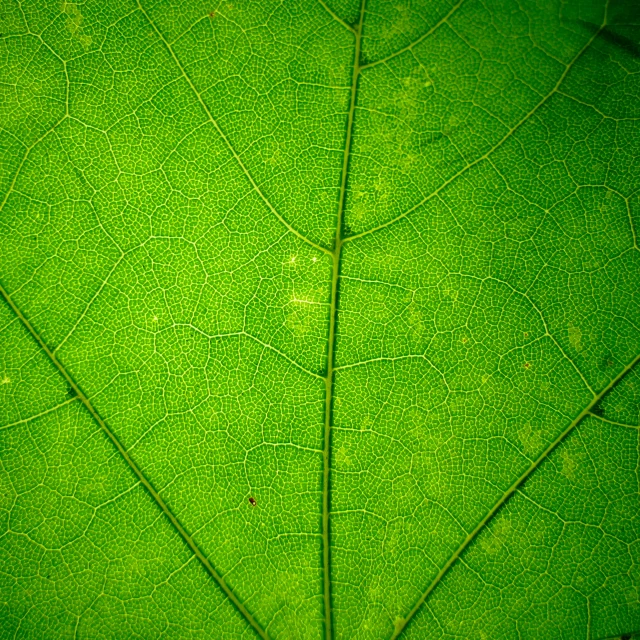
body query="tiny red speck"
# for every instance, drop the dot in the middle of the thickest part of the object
(526, 335)
(252, 501)
(212, 14)
(526, 365)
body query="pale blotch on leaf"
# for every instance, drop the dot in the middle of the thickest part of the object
(493, 543)
(275, 157)
(570, 464)
(74, 23)
(337, 74)
(575, 337)
(632, 597)
(343, 459)
(450, 293)
(381, 188)
(286, 595)
(299, 319)
(530, 439)
(410, 96)
(359, 212)
(421, 426)
(366, 424)
(415, 320)
(374, 594)
(451, 125)
(391, 545)
(401, 25)
(408, 161)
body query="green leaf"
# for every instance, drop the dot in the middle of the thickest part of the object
(320, 319)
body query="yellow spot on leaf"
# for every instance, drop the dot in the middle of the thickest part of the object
(575, 337)
(74, 23)
(493, 543)
(530, 439)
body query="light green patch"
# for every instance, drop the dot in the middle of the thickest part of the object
(343, 457)
(531, 439)
(571, 463)
(74, 23)
(575, 337)
(494, 542)
(416, 320)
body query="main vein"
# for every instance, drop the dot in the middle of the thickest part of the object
(510, 491)
(134, 467)
(328, 411)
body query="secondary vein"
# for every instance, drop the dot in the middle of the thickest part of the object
(335, 16)
(226, 140)
(328, 412)
(510, 492)
(488, 153)
(38, 415)
(417, 41)
(134, 467)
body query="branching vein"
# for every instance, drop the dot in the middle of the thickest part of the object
(510, 492)
(486, 155)
(224, 137)
(135, 468)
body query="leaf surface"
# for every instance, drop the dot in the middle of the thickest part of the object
(320, 319)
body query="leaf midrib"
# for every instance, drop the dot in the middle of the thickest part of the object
(333, 315)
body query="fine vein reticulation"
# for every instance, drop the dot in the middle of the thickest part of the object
(342, 239)
(136, 470)
(512, 489)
